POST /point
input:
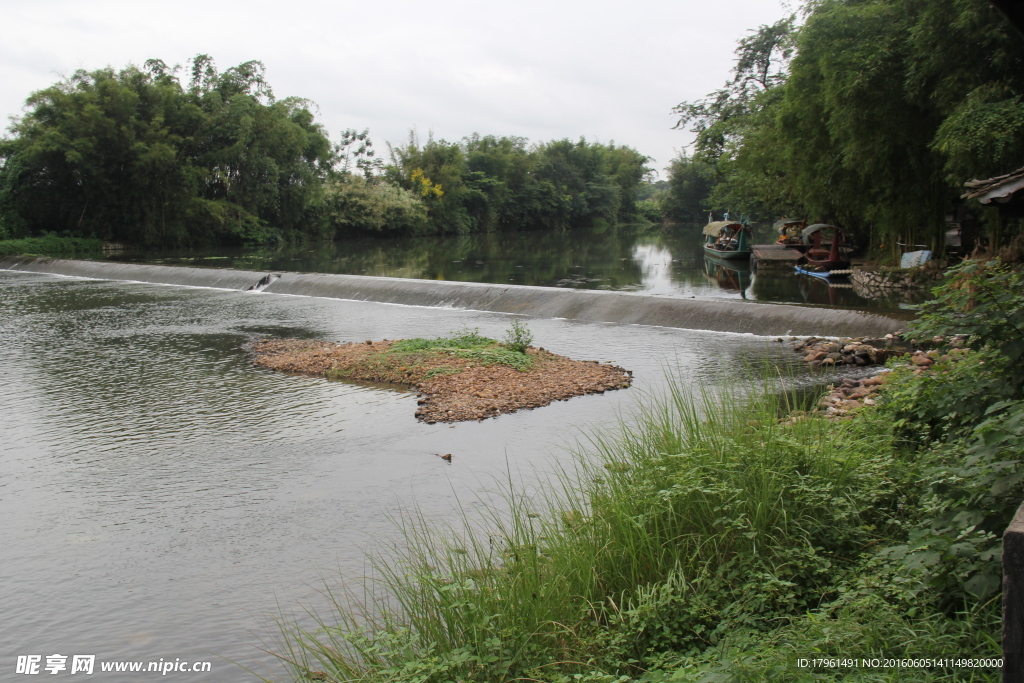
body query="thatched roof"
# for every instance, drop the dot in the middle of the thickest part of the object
(999, 189)
(712, 229)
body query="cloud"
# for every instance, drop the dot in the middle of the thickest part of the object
(543, 70)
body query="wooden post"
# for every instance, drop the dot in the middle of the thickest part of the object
(1013, 599)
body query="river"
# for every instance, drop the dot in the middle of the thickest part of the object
(653, 260)
(162, 498)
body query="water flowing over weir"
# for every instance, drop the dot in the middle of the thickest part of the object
(542, 302)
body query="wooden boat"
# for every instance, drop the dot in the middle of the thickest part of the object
(824, 248)
(822, 274)
(789, 230)
(727, 240)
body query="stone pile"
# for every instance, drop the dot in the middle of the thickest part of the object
(858, 351)
(851, 394)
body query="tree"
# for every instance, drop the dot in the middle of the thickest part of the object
(133, 156)
(886, 108)
(688, 191)
(718, 119)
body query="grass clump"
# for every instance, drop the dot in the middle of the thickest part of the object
(410, 361)
(52, 245)
(469, 344)
(704, 541)
(464, 339)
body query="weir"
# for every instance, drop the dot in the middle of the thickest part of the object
(718, 315)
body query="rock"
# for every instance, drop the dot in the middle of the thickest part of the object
(922, 361)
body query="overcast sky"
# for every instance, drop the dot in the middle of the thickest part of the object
(540, 69)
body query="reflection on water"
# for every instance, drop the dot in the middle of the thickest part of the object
(159, 494)
(658, 261)
(730, 276)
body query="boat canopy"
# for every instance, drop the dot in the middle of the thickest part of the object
(712, 229)
(783, 223)
(811, 229)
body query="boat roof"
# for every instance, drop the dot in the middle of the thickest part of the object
(716, 227)
(786, 222)
(811, 229)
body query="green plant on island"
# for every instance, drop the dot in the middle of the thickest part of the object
(518, 337)
(468, 343)
(462, 340)
(413, 360)
(705, 539)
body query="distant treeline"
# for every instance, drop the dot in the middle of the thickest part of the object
(137, 156)
(871, 114)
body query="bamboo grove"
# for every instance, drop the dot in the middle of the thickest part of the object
(141, 157)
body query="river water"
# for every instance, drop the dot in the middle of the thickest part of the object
(658, 261)
(161, 497)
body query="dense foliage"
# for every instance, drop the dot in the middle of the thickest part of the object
(710, 540)
(133, 155)
(502, 183)
(688, 189)
(137, 156)
(872, 114)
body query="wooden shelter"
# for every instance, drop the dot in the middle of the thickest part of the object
(1006, 192)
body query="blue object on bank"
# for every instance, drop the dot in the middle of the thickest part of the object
(915, 259)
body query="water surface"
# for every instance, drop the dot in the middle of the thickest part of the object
(160, 495)
(654, 260)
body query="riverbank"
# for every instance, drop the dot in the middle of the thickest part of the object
(707, 539)
(459, 378)
(51, 245)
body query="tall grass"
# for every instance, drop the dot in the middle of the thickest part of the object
(699, 519)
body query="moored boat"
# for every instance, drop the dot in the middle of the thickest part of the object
(727, 240)
(789, 230)
(825, 248)
(822, 274)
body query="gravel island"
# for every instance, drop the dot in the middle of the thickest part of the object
(456, 382)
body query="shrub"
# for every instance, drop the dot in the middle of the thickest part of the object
(518, 337)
